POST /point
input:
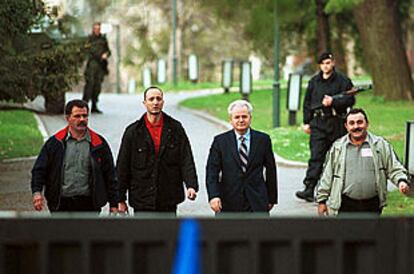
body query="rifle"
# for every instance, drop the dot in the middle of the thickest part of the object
(352, 91)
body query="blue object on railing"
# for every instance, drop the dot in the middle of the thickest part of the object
(187, 259)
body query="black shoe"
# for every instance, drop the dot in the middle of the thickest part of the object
(306, 194)
(96, 110)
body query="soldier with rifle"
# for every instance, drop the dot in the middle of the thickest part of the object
(97, 66)
(325, 124)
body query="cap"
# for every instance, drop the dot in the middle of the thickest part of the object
(324, 56)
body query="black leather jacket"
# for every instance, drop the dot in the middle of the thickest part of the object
(155, 180)
(47, 171)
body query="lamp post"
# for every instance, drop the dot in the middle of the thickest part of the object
(193, 68)
(174, 25)
(245, 79)
(227, 75)
(293, 96)
(276, 84)
(146, 77)
(118, 58)
(161, 71)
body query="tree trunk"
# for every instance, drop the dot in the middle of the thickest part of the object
(322, 27)
(383, 48)
(54, 102)
(338, 42)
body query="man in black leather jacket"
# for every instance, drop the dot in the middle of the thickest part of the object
(155, 159)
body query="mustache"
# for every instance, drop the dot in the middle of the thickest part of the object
(357, 130)
(82, 124)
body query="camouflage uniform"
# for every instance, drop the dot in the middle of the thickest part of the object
(96, 69)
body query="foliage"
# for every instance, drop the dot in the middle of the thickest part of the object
(33, 63)
(256, 21)
(15, 76)
(98, 6)
(56, 70)
(19, 134)
(18, 16)
(337, 6)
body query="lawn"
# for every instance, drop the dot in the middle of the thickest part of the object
(19, 136)
(189, 86)
(399, 204)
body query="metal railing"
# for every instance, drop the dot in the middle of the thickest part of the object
(227, 245)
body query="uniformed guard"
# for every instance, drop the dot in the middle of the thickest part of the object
(97, 66)
(323, 117)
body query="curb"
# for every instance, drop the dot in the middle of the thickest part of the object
(41, 127)
(18, 160)
(226, 126)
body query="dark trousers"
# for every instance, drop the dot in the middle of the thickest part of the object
(324, 132)
(371, 205)
(94, 76)
(171, 209)
(244, 208)
(76, 204)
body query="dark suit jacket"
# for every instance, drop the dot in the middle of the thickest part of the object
(226, 180)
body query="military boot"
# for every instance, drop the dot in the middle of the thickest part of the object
(308, 193)
(95, 109)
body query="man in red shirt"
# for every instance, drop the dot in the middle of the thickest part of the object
(155, 159)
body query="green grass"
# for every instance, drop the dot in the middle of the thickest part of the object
(386, 119)
(188, 86)
(19, 135)
(399, 204)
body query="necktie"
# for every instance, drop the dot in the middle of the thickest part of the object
(243, 153)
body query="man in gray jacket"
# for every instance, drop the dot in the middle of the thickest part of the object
(356, 170)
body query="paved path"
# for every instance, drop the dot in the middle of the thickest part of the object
(121, 110)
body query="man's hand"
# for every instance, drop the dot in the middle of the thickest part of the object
(403, 187)
(113, 210)
(306, 128)
(270, 206)
(38, 201)
(104, 56)
(122, 207)
(327, 101)
(191, 194)
(322, 210)
(215, 204)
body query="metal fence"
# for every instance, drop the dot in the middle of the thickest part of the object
(236, 245)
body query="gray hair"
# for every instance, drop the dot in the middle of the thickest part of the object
(239, 103)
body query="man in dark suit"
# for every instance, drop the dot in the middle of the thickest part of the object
(235, 178)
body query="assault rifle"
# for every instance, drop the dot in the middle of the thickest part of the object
(352, 91)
